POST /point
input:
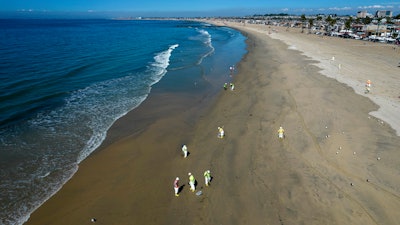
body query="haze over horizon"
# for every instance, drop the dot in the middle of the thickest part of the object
(180, 8)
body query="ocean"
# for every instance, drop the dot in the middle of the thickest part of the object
(63, 83)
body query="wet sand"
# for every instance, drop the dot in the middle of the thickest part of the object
(337, 164)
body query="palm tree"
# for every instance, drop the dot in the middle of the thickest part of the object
(348, 22)
(311, 23)
(328, 20)
(332, 22)
(303, 19)
(367, 20)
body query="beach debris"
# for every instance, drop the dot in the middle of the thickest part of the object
(93, 220)
(367, 180)
(379, 158)
(354, 153)
(199, 193)
(326, 127)
(340, 147)
(333, 58)
(351, 184)
(337, 153)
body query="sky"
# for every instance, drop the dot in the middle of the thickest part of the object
(193, 8)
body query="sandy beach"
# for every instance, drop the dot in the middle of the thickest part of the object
(338, 164)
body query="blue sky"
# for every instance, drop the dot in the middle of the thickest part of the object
(196, 7)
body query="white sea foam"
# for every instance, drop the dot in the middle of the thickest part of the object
(161, 63)
(208, 42)
(88, 109)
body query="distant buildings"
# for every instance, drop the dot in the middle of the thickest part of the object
(363, 14)
(381, 26)
(378, 14)
(383, 13)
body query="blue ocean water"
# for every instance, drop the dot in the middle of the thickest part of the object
(63, 83)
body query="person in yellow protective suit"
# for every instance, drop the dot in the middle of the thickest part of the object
(192, 182)
(221, 132)
(281, 132)
(232, 86)
(207, 177)
(225, 86)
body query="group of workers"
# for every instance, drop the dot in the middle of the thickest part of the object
(192, 182)
(231, 85)
(207, 173)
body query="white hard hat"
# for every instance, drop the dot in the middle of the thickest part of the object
(208, 171)
(177, 178)
(189, 174)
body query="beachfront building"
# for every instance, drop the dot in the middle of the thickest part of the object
(376, 29)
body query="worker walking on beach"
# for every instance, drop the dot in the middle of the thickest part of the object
(207, 177)
(368, 83)
(192, 182)
(368, 86)
(221, 132)
(281, 132)
(232, 86)
(184, 150)
(176, 186)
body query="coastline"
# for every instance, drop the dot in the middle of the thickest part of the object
(257, 178)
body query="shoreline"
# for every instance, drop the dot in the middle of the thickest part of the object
(162, 109)
(257, 179)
